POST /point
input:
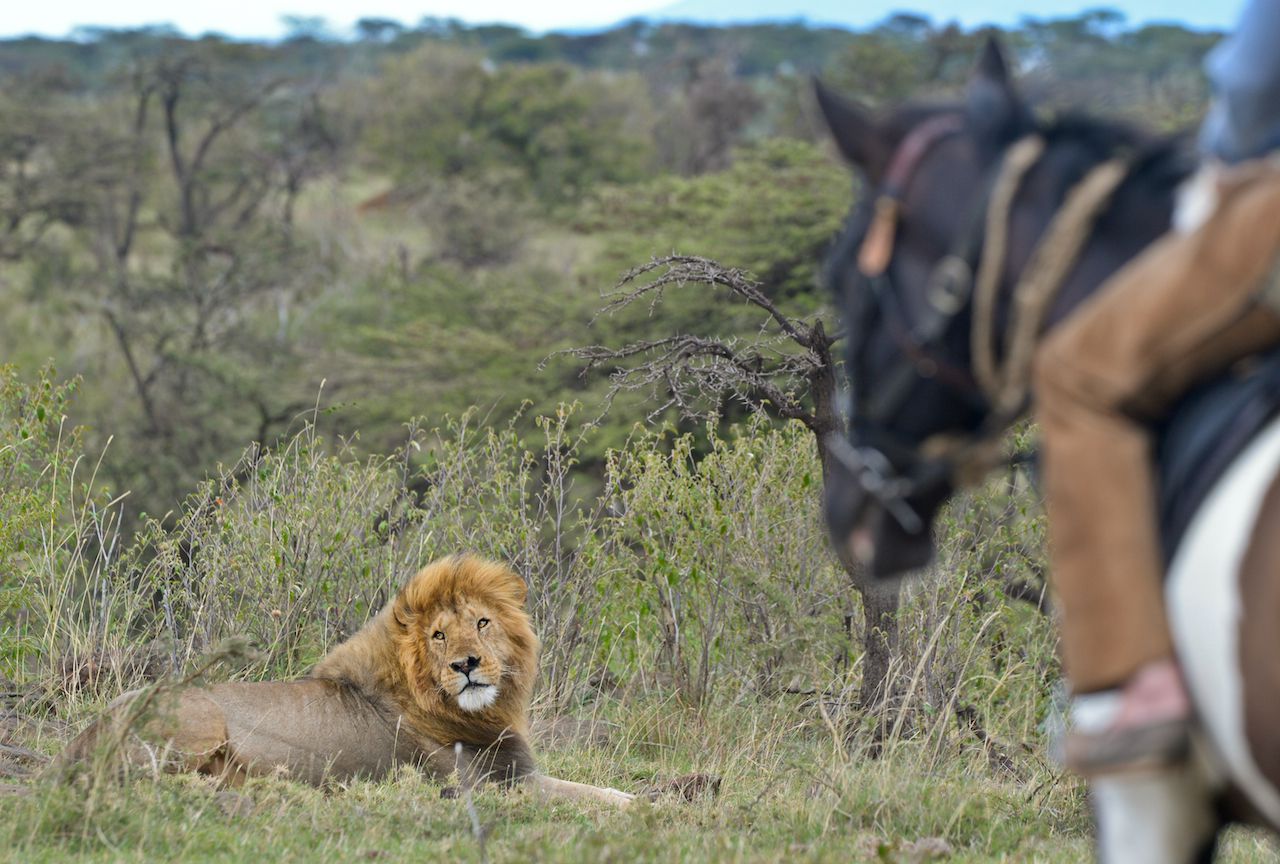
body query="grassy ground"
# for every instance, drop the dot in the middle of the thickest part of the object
(788, 792)
(697, 608)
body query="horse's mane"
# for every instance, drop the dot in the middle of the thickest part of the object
(1095, 133)
(1075, 142)
(1148, 153)
(1153, 156)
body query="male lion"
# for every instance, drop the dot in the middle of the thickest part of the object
(440, 678)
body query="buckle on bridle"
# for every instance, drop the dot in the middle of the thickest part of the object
(876, 475)
(950, 285)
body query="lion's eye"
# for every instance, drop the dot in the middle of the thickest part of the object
(482, 623)
(439, 634)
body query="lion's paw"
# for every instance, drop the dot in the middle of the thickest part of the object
(618, 797)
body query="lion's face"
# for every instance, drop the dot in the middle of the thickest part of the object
(466, 639)
(467, 648)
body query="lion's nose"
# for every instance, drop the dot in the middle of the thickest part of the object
(465, 666)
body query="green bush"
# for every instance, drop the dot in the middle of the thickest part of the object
(698, 568)
(42, 480)
(689, 603)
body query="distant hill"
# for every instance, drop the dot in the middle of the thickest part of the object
(861, 13)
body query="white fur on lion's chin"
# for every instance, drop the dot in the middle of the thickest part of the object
(477, 698)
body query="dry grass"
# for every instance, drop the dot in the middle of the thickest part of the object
(784, 797)
(694, 621)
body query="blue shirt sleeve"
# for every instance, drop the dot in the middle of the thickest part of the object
(1244, 71)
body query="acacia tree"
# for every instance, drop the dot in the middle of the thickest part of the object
(705, 118)
(174, 197)
(785, 370)
(44, 171)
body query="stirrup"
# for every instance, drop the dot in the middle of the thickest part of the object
(1164, 744)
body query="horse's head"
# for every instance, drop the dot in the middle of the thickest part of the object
(903, 274)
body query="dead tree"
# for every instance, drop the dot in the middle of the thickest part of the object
(786, 370)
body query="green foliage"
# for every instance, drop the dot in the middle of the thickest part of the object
(882, 69)
(34, 442)
(426, 213)
(905, 57)
(707, 578)
(782, 797)
(152, 232)
(31, 443)
(692, 621)
(179, 222)
(445, 339)
(446, 113)
(59, 531)
(727, 571)
(772, 212)
(690, 611)
(1151, 74)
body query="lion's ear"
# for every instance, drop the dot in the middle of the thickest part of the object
(402, 613)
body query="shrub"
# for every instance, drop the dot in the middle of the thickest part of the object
(707, 578)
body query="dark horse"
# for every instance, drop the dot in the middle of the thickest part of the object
(907, 273)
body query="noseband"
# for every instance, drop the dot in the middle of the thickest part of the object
(889, 469)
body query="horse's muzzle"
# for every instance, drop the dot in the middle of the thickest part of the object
(867, 525)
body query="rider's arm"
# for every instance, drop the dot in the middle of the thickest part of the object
(1244, 118)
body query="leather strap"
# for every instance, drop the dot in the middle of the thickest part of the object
(877, 247)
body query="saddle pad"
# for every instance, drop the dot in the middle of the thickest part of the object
(1205, 433)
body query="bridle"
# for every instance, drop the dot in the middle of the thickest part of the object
(887, 468)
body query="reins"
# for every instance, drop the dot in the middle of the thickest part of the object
(1007, 387)
(1017, 163)
(1003, 382)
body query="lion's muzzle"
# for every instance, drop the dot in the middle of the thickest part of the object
(476, 694)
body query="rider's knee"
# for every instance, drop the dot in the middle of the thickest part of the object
(1053, 372)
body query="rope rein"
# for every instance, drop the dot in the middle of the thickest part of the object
(1007, 386)
(1021, 158)
(1003, 377)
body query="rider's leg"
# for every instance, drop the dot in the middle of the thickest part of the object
(1183, 310)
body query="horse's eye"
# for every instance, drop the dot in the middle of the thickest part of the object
(439, 634)
(482, 623)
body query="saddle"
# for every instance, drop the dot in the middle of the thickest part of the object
(1209, 428)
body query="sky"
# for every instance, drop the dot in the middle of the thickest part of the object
(262, 18)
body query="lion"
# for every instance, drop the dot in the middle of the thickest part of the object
(440, 679)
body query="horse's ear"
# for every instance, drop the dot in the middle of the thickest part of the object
(860, 139)
(991, 64)
(996, 113)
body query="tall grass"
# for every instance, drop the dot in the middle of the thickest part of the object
(697, 574)
(693, 617)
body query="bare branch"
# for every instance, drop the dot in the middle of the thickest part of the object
(698, 372)
(680, 270)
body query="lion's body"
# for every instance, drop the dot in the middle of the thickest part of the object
(309, 730)
(441, 679)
